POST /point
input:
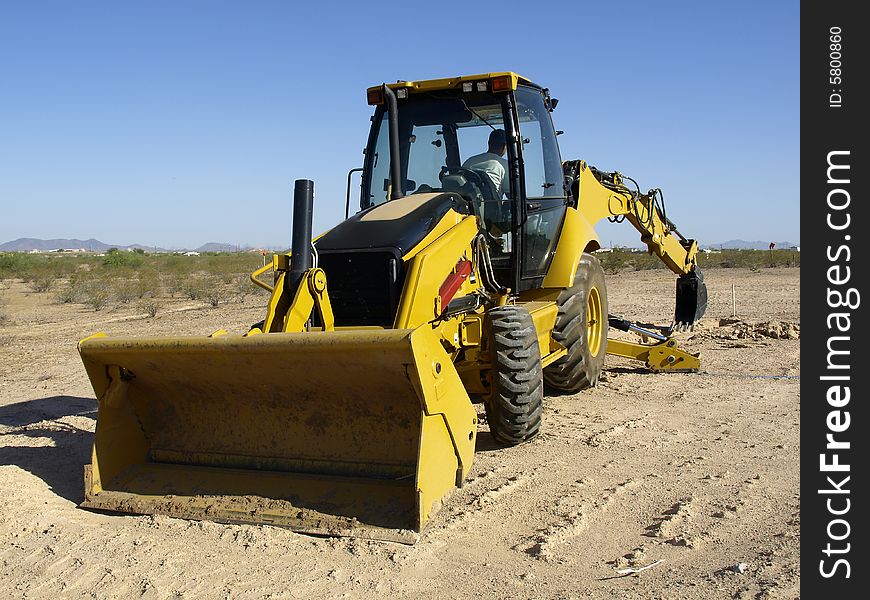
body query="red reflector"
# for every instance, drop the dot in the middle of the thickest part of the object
(453, 282)
(376, 96)
(501, 84)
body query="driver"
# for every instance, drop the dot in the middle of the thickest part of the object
(492, 163)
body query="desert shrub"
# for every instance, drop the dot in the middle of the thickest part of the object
(66, 295)
(175, 283)
(216, 295)
(81, 277)
(623, 259)
(42, 272)
(80, 283)
(175, 262)
(626, 260)
(243, 287)
(645, 262)
(612, 263)
(148, 284)
(42, 282)
(91, 289)
(14, 264)
(120, 258)
(752, 259)
(214, 291)
(96, 296)
(149, 307)
(194, 289)
(29, 267)
(124, 290)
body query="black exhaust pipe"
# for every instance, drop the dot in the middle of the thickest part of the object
(396, 190)
(300, 250)
(300, 247)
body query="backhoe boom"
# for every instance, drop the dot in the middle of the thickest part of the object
(601, 194)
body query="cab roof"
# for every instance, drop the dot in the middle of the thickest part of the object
(451, 83)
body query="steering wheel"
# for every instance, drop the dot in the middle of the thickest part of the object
(470, 175)
(495, 208)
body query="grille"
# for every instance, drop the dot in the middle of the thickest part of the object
(364, 287)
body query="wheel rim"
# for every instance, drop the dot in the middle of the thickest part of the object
(594, 322)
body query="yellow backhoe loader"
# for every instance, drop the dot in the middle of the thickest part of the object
(349, 410)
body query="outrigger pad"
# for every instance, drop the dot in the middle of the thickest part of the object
(691, 299)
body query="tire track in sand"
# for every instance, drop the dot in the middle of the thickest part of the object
(573, 519)
(479, 497)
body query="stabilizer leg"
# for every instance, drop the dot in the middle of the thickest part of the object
(662, 355)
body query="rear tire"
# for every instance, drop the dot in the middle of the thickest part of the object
(514, 406)
(582, 328)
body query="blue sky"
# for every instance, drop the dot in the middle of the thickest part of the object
(179, 123)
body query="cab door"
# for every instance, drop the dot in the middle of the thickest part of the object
(544, 191)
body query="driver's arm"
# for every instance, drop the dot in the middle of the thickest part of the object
(505, 187)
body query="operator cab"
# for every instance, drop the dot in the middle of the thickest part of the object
(441, 125)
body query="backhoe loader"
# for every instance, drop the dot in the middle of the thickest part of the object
(350, 409)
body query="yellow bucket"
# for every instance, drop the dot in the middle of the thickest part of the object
(354, 432)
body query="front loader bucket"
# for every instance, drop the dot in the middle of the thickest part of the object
(357, 432)
(691, 299)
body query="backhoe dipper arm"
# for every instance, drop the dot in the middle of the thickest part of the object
(601, 194)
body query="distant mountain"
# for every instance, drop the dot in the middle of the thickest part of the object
(92, 245)
(744, 245)
(28, 244)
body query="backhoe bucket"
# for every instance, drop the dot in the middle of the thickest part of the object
(358, 432)
(691, 299)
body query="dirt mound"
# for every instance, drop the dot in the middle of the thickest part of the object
(737, 329)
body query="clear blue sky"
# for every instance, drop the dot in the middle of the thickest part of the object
(179, 123)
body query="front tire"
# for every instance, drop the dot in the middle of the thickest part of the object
(515, 404)
(582, 328)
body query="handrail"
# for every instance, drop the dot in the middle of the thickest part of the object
(347, 201)
(260, 271)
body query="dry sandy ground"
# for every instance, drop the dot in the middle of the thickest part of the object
(699, 471)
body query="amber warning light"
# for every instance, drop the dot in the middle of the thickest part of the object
(501, 84)
(376, 96)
